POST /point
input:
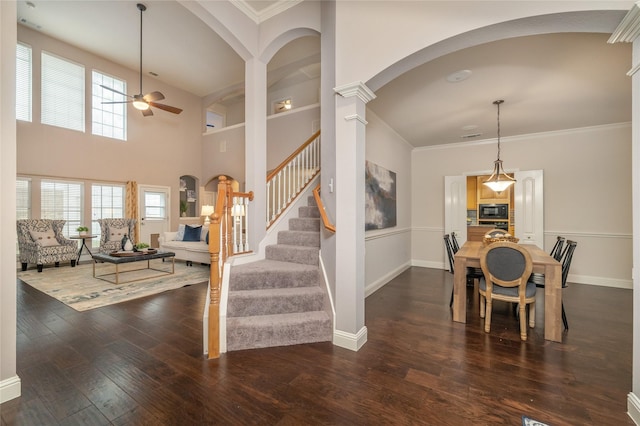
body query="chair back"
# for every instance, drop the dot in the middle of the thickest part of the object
(41, 225)
(556, 251)
(506, 264)
(449, 247)
(567, 256)
(454, 243)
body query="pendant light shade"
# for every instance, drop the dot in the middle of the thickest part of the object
(499, 180)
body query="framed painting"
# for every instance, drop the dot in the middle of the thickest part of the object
(380, 197)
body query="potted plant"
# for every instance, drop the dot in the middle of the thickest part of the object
(183, 208)
(82, 230)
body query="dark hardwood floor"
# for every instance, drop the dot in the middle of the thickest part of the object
(140, 363)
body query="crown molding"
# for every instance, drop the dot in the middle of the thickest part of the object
(266, 13)
(357, 88)
(629, 28)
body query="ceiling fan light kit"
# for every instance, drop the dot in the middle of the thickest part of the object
(143, 102)
(499, 180)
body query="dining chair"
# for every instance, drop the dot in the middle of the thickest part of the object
(454, 243)
(565, 258)
(473, 274)
(556, 252)
(506, 267)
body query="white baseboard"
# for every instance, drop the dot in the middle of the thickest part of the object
(10, 388)
(380, 282)
(633, 407)
(428, 264)
(350, 341)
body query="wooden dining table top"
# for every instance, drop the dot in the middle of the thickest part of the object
(470, 250)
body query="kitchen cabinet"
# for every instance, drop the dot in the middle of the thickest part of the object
(472, 193)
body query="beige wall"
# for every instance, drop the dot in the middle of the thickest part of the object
(388, 251)
(587, 195)
(158, 151)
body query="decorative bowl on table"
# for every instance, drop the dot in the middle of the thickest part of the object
(490, 239)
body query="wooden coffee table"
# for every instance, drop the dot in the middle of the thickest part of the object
(119, 258)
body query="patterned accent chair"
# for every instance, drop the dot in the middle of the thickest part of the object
(41, 241)
(111, 232)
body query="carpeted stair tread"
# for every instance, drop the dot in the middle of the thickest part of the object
(304, 224)
(309, 211)
(278, 330)
(274, 301)
(293, 254)
(272, 274)
(299, 238)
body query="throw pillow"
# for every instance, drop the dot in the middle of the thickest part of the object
(44, 238)
(170, 236)
(116, 234)
(204, 232)
(192, 233)
(180, 234)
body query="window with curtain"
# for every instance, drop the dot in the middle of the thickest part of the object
(62, 200)
(62, 93)
(107, 201)
(23, 198)
(23, 82)
(109, 120)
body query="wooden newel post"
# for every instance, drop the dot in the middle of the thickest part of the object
(214, 296)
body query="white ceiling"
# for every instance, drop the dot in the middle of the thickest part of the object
(548, 82)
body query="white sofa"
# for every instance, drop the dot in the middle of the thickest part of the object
(189, 251)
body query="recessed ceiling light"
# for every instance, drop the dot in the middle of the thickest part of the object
(30, 5)
(458, 76)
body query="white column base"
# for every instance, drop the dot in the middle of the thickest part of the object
(350, 341)
(10, 388)
(633, 407)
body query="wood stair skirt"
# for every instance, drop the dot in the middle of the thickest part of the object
(278, 301)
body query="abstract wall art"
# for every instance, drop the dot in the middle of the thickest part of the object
(380, 196)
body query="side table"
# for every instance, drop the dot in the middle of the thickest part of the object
(84, 239)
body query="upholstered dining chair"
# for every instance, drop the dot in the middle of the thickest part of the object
(112, 230)
(41, 241)
(506, 267)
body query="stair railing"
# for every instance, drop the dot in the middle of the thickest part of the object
(291, 177)
(323, 213)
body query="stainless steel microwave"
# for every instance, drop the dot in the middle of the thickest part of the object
(493, 211)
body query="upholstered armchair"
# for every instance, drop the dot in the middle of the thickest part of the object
(41, 241)
(111, 233)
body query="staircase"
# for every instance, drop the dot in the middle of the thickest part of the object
(278, 301)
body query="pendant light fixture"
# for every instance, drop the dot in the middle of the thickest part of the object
(499, 180)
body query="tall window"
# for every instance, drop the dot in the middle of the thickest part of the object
(23, 198)
(107, 201)
(23, 82)
(62, 200)
(62, 93)
(109, 120)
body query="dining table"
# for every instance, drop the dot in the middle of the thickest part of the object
(543, 263)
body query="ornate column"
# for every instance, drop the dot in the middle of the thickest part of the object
(351, 332)
(628, 31)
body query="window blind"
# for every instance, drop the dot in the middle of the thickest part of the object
(23, 82)
(62, 200)
(23, 198)
(107, 201)
(62, 93)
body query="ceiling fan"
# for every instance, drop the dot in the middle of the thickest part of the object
(140, 101)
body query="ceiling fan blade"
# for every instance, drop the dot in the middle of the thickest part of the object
(147, 112)
(115, 91)
(117, 102)
(153, 96)
(166, 107)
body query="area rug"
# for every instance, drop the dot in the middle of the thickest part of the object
(77, 288)
(526, 421)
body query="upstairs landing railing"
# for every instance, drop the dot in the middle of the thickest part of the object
(292, 176)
